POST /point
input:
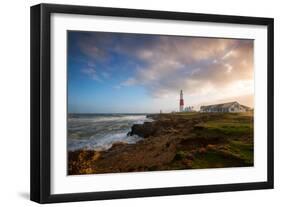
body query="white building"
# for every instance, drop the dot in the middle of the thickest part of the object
(225, 107)
(189, 109)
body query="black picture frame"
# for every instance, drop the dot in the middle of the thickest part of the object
(41, 99)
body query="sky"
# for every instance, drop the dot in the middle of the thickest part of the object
(143, 73)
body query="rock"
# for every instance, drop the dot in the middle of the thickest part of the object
(153, 116)
(118, 144)
(143, 130)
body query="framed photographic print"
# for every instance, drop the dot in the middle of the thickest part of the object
(133, 103)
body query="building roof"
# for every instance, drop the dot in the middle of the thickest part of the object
(246, 107)
(219, 106)
(223, 106)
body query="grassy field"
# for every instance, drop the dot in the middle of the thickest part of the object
(228, 142)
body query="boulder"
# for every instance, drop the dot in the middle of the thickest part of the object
(143, 130)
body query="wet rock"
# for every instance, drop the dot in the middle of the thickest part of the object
(144, 130)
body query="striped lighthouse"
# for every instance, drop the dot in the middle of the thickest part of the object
(181, 101)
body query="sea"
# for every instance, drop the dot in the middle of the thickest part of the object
(100, 131)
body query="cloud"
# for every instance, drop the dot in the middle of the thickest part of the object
(91, 73)
(105, 75)
(165, 64)
(196, 65)
(117, 87)
(129, 82)
(94, 46)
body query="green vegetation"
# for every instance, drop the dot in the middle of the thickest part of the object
(226, 124)
(180, 155)
(243, 150)
(186, 113)
(224, 140)
(232, 154)
(213, 159)
(226, 128)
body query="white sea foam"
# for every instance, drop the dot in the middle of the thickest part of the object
(100, 132)
(107, 119)
(104, 143)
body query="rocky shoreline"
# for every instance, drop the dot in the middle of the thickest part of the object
(174, 142)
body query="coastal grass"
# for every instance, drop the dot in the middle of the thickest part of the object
(223, 127)
(186, 113)
(234, 148)
(180, 155)
(245, 151)
(230, 154)
(214, 159)
(227, 124)
(233, 154)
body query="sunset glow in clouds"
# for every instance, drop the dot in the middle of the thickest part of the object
(136, 73)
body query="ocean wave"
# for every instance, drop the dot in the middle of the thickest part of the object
(106, 119)
(100, 132)
(101, 144)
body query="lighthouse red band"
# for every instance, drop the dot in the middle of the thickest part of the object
(181, 101)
